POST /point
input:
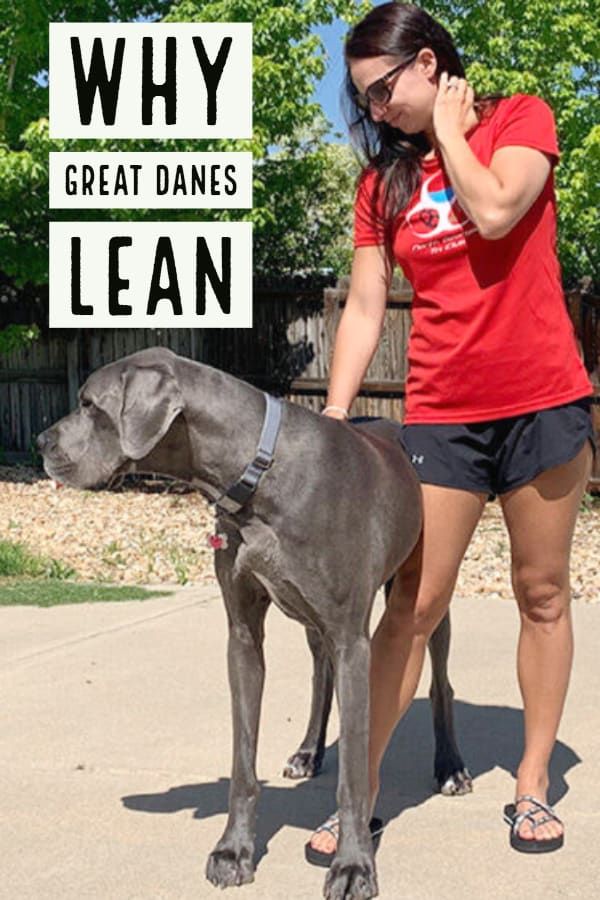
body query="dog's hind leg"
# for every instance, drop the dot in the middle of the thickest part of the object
(450, 773)
(306, 761)
(232, 860)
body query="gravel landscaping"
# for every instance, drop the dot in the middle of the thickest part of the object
(150, 533)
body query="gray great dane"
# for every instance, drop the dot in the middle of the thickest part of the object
(329, 519)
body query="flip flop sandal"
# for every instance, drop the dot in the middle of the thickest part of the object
(514, 819)
(332, 825)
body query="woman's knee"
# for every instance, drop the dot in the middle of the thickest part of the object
(417, 612)
(543, 597)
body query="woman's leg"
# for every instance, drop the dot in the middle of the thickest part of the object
(419, 598)
(540, 518)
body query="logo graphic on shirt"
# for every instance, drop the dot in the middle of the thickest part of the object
(436, 211)
(417, 460)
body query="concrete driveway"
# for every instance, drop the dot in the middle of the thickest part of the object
(115, 755)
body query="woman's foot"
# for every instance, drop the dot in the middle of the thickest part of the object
(326, 836)
(536, 787)
(318, 856)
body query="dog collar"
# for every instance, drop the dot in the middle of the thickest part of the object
(238, 494)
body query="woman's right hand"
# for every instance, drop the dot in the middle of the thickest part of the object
(453, 110)
(336, 412)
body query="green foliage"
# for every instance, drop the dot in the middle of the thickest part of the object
(35, 457)
(50, 592)
(317, 213)
(16, 559)
(24, 50)
(14, 337)
(288, 61)
(579, 205)
(552, 50)
(24, 141)
(302, 187)
(589, 503)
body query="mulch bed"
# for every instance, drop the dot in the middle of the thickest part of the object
(155, 532)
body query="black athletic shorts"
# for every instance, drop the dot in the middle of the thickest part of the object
(498, 456)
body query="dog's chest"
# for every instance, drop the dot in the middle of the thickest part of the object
(261, 556)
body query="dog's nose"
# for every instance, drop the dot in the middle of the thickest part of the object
(43, 441)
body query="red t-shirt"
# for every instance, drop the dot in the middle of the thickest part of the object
(490, 336)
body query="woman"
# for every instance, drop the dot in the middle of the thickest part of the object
(460, 194)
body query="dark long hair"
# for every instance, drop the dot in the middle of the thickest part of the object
(401, 30)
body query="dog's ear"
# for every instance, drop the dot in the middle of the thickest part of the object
(151, 400)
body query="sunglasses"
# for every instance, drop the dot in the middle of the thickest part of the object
(381, 90)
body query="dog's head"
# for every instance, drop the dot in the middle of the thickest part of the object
(125, 409)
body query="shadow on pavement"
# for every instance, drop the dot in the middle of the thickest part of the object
(488, 736)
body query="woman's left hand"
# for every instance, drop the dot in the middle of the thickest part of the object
(453, 108)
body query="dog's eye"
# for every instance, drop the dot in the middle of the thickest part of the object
(85, 403)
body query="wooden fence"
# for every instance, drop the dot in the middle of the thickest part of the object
(382, 391)
(39, 384)
(287, 351)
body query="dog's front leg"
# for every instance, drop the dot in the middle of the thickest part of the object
(352, 873)
(232, 860)
(306, 761)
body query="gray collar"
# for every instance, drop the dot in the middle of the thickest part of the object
(238, 494)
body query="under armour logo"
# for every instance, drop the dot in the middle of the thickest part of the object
(417, 459)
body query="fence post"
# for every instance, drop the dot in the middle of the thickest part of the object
(73, 371)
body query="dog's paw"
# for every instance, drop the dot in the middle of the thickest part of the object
(350, 881)
(303, 764)
(455, 783)
(228, 868)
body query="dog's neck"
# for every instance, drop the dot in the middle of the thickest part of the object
(226, 416)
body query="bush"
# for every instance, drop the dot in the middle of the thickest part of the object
(16, 559)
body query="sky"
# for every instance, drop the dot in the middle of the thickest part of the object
(328, 91)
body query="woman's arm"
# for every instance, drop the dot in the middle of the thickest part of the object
(494, 198)
(360, 326)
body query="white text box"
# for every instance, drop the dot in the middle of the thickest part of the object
(150, 180)
(150, 275)
(157, 80)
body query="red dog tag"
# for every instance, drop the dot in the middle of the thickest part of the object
(217, 541)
